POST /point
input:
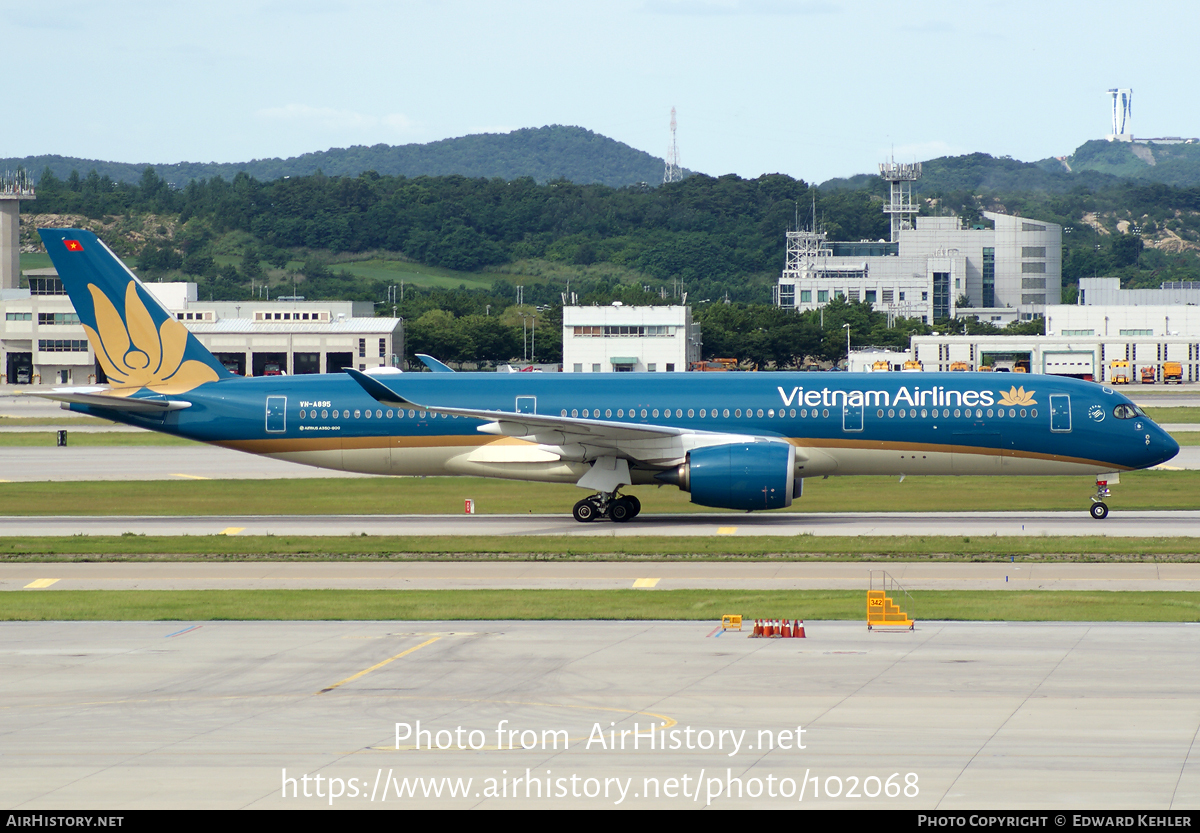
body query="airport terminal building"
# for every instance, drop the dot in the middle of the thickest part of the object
(43, 342)
(1012, 270)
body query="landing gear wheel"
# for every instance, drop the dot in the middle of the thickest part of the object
(585, 511)
(636, 504)
(1099, 510)
(621, 510)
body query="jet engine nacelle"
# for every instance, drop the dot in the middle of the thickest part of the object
(753, 475)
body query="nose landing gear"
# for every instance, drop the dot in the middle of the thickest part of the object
(1099, 508)
(615, 507)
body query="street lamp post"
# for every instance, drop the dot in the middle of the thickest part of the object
(847, 328)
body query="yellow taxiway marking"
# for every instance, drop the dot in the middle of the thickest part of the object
(190, 476)
(231, 530)
(41, 582)
(726, 530)
(646, 582)
(378, 665)
(1162, 467)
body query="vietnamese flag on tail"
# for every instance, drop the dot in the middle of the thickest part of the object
(73, 245)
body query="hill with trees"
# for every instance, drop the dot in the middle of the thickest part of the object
(542, 154)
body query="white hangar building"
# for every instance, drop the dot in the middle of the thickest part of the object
(43, 342)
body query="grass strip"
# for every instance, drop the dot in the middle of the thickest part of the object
(445, 495)
(217, 548)
(624, 605)
(1181, 413)
(40, 439)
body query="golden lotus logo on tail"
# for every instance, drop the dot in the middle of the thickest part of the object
(136, 354)
(1017, 396)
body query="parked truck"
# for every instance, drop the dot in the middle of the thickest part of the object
(1118, 372)
(1149, 375)
(1172, 372)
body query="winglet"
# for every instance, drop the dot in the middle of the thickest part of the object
(379, 391)
(433, 364)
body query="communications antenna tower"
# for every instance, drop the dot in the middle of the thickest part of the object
(14, 187)
(901, 208)
(673, 173)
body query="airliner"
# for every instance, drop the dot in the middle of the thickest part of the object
(740, 441)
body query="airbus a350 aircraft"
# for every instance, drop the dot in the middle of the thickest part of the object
(742, 441)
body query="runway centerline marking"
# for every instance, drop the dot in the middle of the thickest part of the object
(646, 582)
(379, 665)
(232, 530)
(191, 476)
(41, 582)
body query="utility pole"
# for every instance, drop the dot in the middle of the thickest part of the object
(847, 326)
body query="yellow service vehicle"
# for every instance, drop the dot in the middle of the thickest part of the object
(1149, 376)
(959, 366)
(880, 366)
(913, 365)
(1118, 372)
(1172, 372)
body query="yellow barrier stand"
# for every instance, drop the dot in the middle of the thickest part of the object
(882, 610)
(731, 622)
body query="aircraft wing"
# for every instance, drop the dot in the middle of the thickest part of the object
(541, 428)
(611, 447)
(98, 397)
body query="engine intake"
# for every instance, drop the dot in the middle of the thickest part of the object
(753, 475)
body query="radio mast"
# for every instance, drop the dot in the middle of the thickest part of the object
(673, 173)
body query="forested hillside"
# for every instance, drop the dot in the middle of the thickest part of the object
(720, 240)
(542, 154)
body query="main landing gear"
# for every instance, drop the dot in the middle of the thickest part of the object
(1099, 507)
(615, 507)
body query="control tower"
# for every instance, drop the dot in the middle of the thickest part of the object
(901, 208)
(14, 187)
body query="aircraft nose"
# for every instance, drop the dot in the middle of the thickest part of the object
(1162, 446)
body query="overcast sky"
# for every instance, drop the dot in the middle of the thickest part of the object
(811, 88)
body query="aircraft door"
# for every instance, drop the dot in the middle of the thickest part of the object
(1060, 413)
(276, 414)
(852, 417)
(526, 404)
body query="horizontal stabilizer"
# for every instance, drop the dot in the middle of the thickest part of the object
(115, 403)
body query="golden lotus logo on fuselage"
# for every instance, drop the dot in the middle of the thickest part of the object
(136, 354)
(1017, 396)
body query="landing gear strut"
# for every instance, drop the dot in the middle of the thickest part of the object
(1099, 507)
(619, 508)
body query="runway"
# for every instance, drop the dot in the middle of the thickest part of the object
(246, 715)
(1023, 524)
(540, 575)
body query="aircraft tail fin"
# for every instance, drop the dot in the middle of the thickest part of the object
(137, 342)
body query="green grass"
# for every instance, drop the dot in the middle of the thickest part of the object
(413, 274)
(1189, 438)
(445, 495)
(26, 439)
(35, 260)
(465, 548)
(703, 605)
(1180, 414)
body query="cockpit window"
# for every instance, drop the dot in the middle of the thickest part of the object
(1125, 411)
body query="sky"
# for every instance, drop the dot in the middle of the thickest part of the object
(810, 88)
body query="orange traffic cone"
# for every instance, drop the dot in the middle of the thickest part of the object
(787, 629)
(798, 629)
(757, 628)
